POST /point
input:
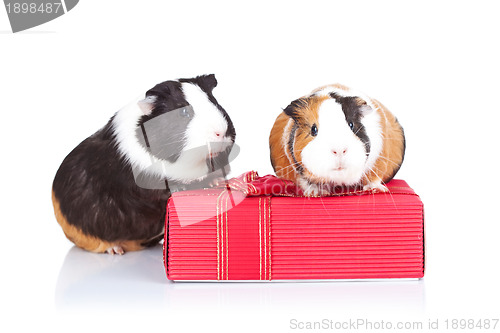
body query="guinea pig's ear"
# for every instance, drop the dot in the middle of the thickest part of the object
(147, 104)
(364, 107)
(290, 111)
(207, 82)
(295, 108)
(160, 91)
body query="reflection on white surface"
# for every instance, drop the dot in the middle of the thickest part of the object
(101, 280)
(137, 280)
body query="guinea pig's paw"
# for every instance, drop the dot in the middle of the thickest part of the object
(200, 179)
(308, 189)
(311, 190)
(375, 187)
(115, 249)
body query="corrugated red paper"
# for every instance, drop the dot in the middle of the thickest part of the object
(235, 234)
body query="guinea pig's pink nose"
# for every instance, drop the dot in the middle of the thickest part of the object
(340, 151)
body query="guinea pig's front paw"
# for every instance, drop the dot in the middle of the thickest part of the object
(311, 191)
(308, 189)
(375, 187)
(314, 190)
(217, 182)
(115, 249)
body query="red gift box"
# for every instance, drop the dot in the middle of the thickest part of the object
(264, 229)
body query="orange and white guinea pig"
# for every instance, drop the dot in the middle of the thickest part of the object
(336, 136)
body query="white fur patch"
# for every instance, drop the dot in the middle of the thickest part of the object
(284, 140)
(326, 91)
(207, 122)
(371, 122)
(336, 153)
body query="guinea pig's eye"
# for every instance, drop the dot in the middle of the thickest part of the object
(185, 112)
(351, 125)
(314, 130)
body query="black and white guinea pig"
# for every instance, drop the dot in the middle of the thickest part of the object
(336, 136)
(156, 140)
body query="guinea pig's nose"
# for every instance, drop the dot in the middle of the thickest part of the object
(339, 151)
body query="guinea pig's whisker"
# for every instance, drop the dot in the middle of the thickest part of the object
(321, 185)
(371, 170)
(287, 168)
(291, 167)
(296, 163)
(389, 160)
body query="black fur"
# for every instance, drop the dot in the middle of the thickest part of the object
(353, 114)
(95, 185)
(293, 110)
(97, 193)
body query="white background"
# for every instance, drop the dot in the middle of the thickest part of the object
(434, 64)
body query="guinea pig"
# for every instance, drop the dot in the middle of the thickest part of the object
(336, 136)
(98, 192)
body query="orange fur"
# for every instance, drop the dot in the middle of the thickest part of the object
(282, 164)
(87, 242)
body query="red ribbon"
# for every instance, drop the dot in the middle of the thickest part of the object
(252, 185)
